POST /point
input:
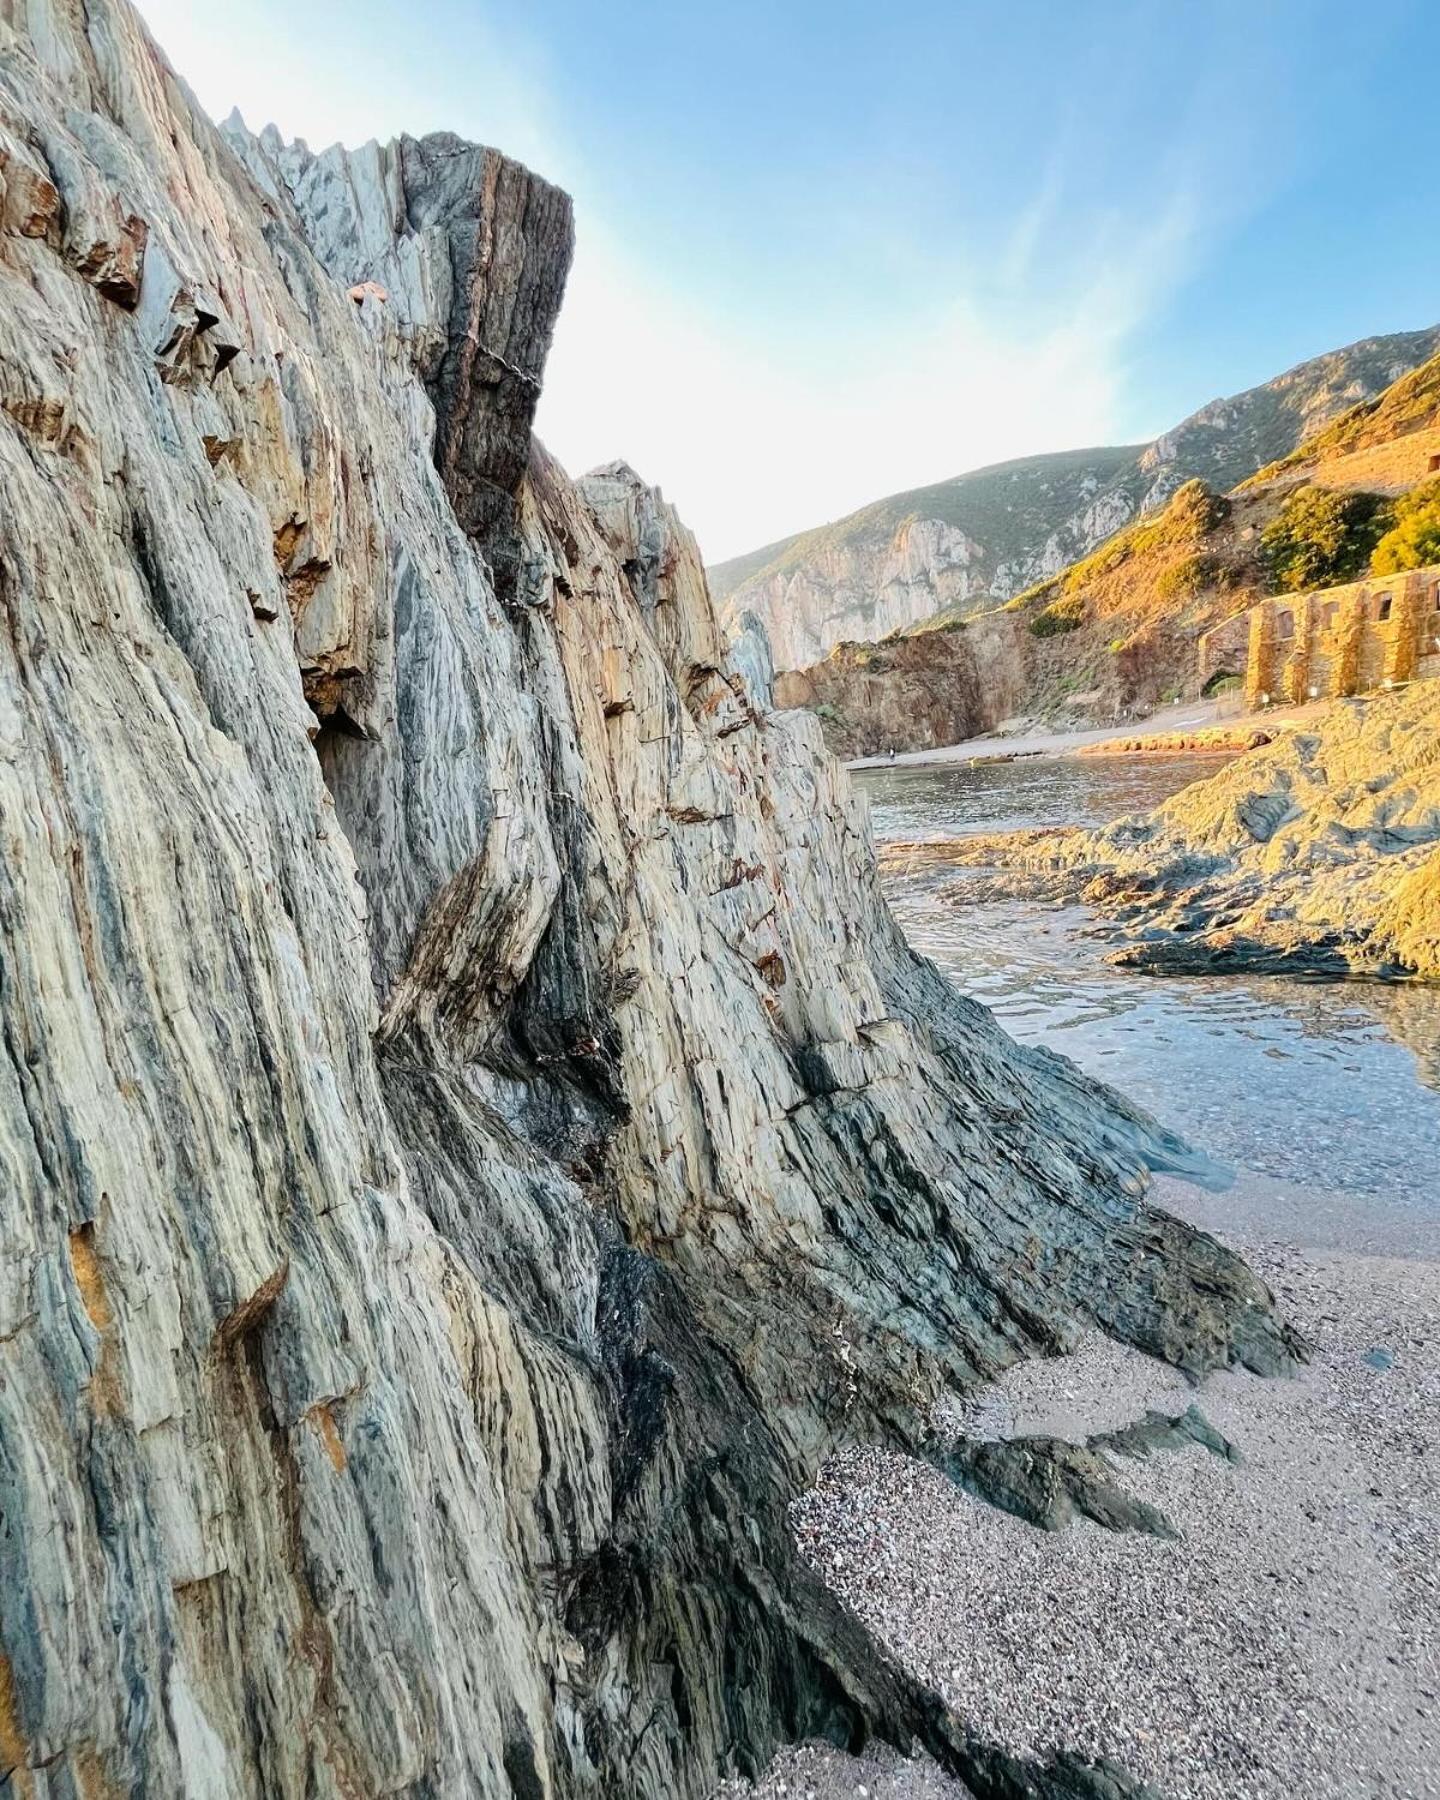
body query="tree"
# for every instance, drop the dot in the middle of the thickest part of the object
(1414, 540)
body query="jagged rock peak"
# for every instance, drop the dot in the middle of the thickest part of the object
(470, 252)
(472, 1137)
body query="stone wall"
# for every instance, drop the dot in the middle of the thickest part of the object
(1379, 632)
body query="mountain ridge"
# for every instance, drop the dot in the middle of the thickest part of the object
(1120, 630)
(957, 545)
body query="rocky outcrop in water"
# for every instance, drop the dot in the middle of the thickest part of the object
(915, 691)
(909, 693)
(1316, 854)
(473, 1140)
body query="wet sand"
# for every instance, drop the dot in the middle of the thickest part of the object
(1287, 1643)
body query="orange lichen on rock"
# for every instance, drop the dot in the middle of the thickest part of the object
(88, 1278)
(322, 1417)
(12, 1738)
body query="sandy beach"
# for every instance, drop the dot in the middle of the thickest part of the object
(1181, 722)
(1287, 1642)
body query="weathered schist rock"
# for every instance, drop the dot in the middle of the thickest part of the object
(472, 1138)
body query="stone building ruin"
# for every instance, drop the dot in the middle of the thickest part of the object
(1380, 632)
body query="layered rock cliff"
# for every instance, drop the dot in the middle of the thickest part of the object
(473, 1140)
(1124, 629)
(870, 698)
(991, 534)
(949, 548)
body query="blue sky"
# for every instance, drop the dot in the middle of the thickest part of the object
(827, 251)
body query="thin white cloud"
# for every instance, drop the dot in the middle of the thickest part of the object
(969, 365)
(750, 449)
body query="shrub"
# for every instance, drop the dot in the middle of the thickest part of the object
(1065, 614)
(1185, 579)
(1318, 538)
(1414, 540)
(1193, 510)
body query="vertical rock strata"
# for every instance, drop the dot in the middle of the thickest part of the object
(472, 1140)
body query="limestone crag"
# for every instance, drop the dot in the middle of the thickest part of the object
(1317, 853)
(472, 1138)
(863, 590)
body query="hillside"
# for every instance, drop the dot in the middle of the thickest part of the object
(1121, 626)
(1119, 629)
(1381, 441)
(960, 545)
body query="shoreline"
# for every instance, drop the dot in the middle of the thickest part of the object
(1174, 731)
(1288, 1640)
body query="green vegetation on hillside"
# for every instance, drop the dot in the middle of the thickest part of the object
(1187, 578)
(1192, 512)
(1065, 614)
(1320, 537)
(1409, 404)
(1413, 542)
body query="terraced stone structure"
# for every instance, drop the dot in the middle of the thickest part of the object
(472, 1139)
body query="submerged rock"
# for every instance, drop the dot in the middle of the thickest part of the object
(473, 1139)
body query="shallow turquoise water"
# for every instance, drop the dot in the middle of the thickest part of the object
(1330, 1085)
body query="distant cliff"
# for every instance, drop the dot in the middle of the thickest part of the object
(1135, 622)
(915, 690)
(988, 535)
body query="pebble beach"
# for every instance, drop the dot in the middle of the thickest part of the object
(1285, 1643)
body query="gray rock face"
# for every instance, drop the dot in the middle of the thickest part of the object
(472, 1138)
(861, 591)
(753, 659)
